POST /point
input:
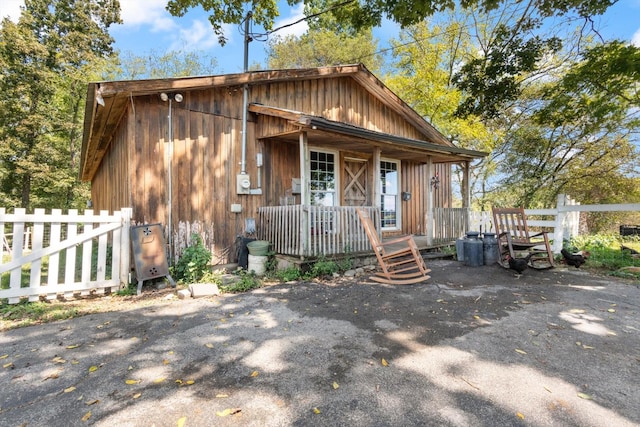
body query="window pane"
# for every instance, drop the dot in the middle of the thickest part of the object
(389, 185)
(322, 182)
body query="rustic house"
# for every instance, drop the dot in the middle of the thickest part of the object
(288, 153)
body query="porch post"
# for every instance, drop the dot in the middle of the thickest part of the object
(466, 193)
(304, 195)
(377, 154)
(430, 195)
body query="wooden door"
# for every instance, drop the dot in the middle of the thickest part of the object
(355, 182)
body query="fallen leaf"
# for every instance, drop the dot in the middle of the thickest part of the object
(584, 396)
(69, 389)
(130, 382)
(208, 345)
(316, 410)
(70, 347)
(335, 385)
(130, 368)
(4, 356)
(576, 311)
(520, 351)
(587, 347)
(221, 395)
(189, 382)
(165, 362)
(520, 415)
(159, 380)
(182, 421)
(611, 310)
(86, 416)
(93, 368)
(7, 365)
(58, 359)
(547, 389)
(137, 395)
(179, 381)
(254, 373)
(612, 333)
(52, 376)
(228, 411)
(91, 402)
(384, 362)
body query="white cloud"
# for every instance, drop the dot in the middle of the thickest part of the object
(635, 39)
(146, 12)
(11, 8)
(295, 13)
(199, 36)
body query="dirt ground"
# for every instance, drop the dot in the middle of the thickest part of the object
(471, 346)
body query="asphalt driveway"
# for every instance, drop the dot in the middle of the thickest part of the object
(470, 347)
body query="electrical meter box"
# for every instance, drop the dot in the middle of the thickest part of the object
(243, 184)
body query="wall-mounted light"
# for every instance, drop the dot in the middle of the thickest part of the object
(406, 196)
(171, 96)
(435, 181)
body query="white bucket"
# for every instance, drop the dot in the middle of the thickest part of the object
(257, 264)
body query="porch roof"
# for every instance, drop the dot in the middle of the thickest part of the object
(322, 131)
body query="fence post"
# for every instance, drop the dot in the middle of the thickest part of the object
(558, 231)
(125, 247)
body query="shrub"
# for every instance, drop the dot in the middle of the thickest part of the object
(194, 262)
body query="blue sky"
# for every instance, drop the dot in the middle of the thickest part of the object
(148, 26)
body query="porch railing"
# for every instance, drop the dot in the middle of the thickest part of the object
(449, 224)
(311, 231)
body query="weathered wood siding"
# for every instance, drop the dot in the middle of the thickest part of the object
(111, 186)
(339, 99)
(207, 134)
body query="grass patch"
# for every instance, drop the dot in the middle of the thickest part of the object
(610, 252)
(34, 313)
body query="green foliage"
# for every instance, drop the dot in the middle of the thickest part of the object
(318, 48)
(606, 250)
(45, 60)
(156, 65)
(247, 282)
(288, 274)
(322, 268)
(194, 261)
(28, 313)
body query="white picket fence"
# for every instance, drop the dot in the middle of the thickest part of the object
(54, 264)
(562, 222)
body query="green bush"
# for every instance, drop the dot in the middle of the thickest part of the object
(606, 250)
(247, 282)
(194, 262)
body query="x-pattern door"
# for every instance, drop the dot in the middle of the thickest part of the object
(355, 182)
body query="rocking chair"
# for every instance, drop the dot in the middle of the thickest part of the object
(399, 259)
(513, 236)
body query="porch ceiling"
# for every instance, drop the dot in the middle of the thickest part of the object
(344, 136)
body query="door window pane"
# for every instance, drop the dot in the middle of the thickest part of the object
(389, 184)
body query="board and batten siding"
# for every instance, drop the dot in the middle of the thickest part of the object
(207, 135)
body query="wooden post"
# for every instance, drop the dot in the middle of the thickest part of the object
(125, 248)
(376, 194)
(466, 193)
(304, 197)
(430, 197)
(558, 231)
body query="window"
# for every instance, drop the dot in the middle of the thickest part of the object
(323, 185)
(322, 179)
(389, 203)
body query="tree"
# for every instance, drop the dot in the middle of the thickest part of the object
(318, 48)
(490, 80)
(154, 65)
(45, 59)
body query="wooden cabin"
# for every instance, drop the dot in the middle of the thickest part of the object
(291, 151)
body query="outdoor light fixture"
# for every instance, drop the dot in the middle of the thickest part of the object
(164, 96)
(435, 181)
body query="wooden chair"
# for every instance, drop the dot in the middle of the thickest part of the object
(399, 259)
(513, 236)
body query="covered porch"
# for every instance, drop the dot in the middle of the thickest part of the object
(308, 231)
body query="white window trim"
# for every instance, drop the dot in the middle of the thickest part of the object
(399, 202)
(336, 157)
